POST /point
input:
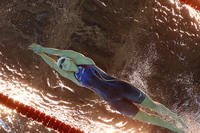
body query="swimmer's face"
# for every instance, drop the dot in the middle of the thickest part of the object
(64, 63)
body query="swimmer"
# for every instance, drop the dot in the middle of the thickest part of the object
(119, 94)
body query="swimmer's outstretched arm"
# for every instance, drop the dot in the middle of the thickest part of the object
(52, 63)
(78, 58)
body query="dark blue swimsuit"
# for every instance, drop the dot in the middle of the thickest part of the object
(119, 94)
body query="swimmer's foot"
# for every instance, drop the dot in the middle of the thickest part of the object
(177, 122)
(183, 122)
(166, 112)
(180, 123)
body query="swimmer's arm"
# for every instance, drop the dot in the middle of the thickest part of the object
(52, 63)
(77, 57)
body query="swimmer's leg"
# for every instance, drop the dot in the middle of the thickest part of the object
(161, 109)
(129, 109)
(154, 120)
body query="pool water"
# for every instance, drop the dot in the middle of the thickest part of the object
(153, 44)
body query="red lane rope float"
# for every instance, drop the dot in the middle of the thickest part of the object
(37, 115)
(193, 3)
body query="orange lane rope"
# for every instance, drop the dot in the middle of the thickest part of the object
(37, 115)
(193, 3)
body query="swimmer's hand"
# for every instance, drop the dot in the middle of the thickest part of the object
(36, 48)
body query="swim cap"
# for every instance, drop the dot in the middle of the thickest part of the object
(61, 60)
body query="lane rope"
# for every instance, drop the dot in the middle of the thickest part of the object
(192, 3)
(36, 115)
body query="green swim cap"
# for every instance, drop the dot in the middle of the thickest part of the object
(63, 60)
